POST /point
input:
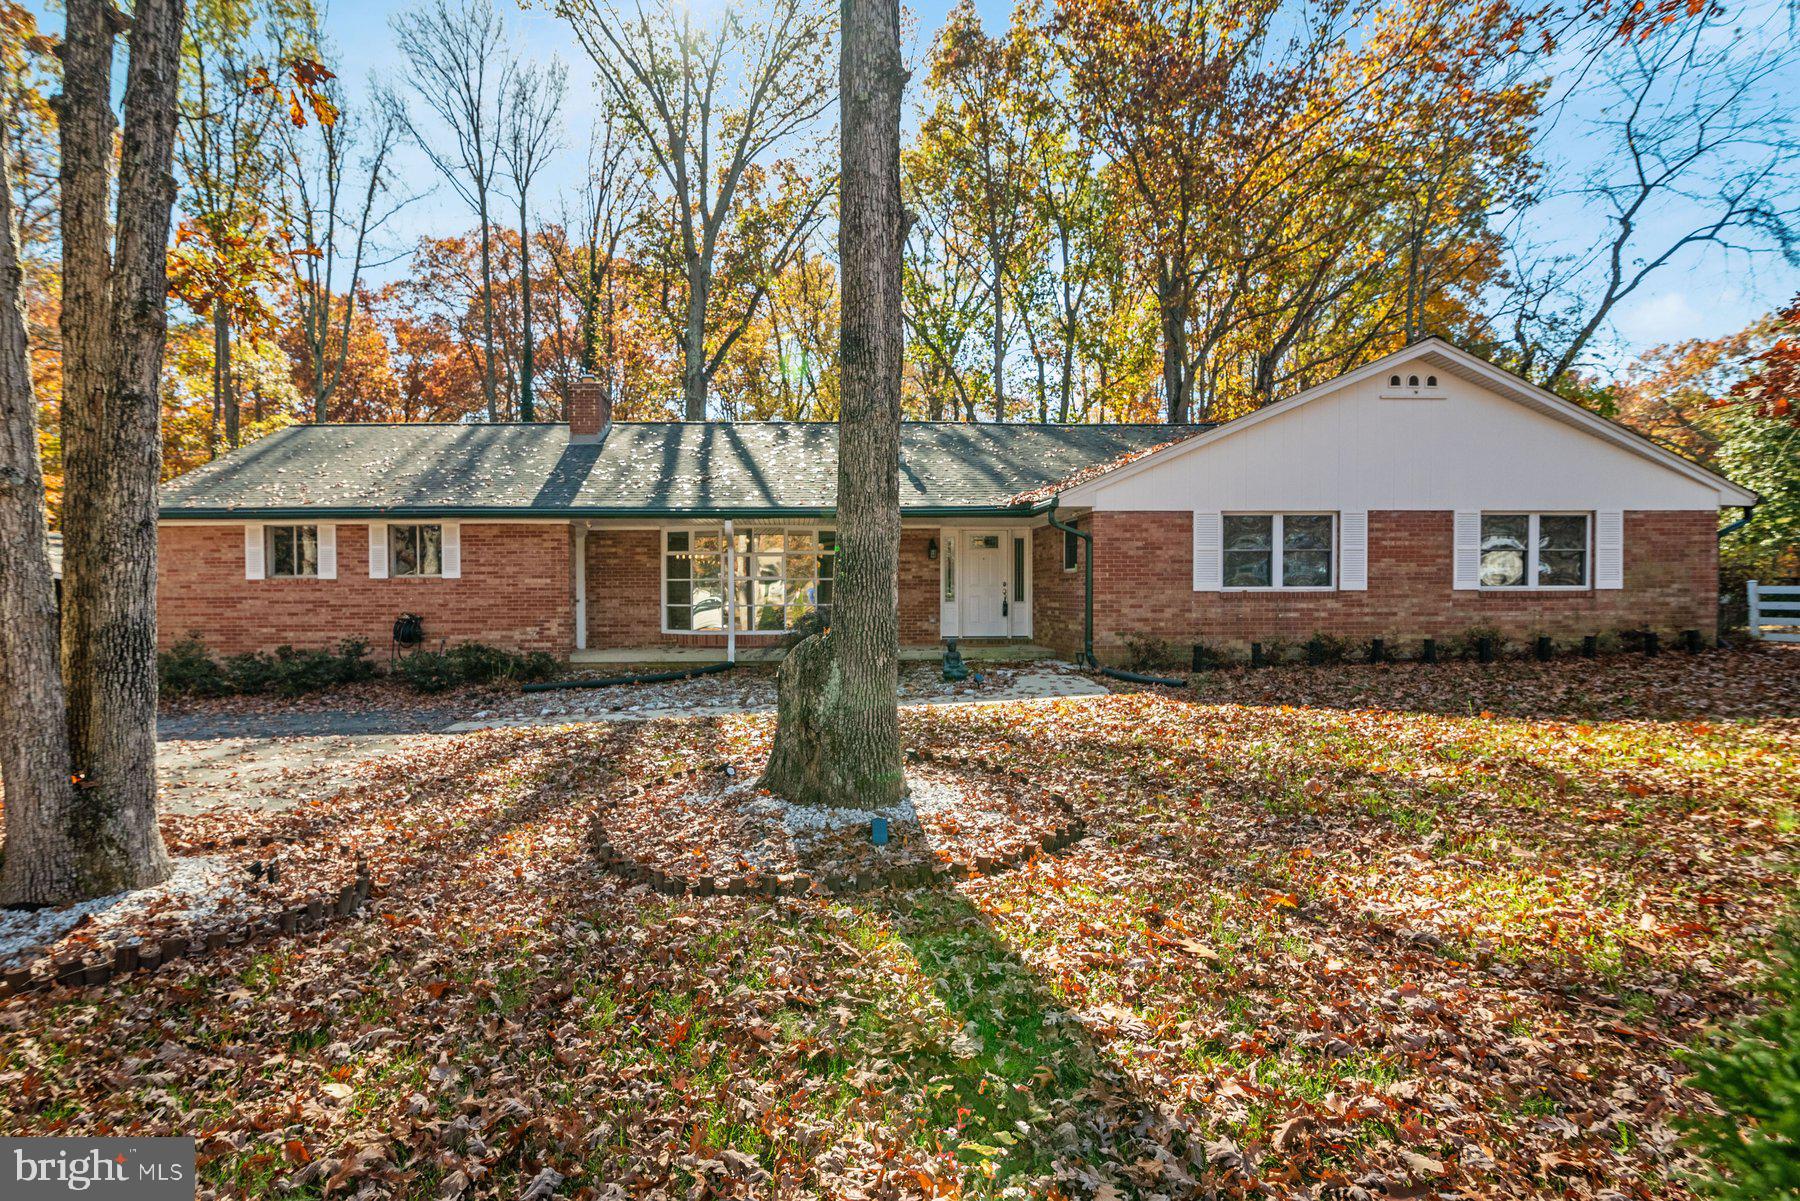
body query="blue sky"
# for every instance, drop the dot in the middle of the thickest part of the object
(1706, 293)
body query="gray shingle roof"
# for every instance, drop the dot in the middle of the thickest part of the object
(705, 468)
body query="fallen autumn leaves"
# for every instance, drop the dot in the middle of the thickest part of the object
(1359, 938)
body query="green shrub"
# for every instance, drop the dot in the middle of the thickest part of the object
(478, 663)
(185, 669)
(427, 671)
(539, 666)
(1753, 1076)
(1467, 645)
(1633, 641)
(1328, 648)
(1151, 653)
(294, 672)
(250, 673)
(474, 663)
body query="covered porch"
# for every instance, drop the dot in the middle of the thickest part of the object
(700, 590)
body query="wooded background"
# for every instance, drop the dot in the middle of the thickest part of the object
(1126, 210)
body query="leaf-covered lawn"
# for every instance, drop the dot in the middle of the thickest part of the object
(1344, 932)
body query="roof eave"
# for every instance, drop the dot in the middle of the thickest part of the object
(353, 513)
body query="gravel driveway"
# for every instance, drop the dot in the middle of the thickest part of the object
(264, 758)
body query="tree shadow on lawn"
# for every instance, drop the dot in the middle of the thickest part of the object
(1325, 1028)
(1547, 884)
(1023, 1094)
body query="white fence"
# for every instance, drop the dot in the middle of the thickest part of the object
(1775, 612)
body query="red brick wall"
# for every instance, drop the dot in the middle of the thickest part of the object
(623, 588)
(1056, 612)
(625, 591)
(515, 592)
(919, 578)
(1143, 582)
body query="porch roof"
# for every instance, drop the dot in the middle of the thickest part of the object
(661, 468)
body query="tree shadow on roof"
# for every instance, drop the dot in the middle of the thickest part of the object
(569, 475)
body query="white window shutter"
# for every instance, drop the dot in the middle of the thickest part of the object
(452, 550)
(1609, 549)
(1353, 551)
(1467, 550)
(378, 550)
(253, 551)
(327, 552)
(1209, 539)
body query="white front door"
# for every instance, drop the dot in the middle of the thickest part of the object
(984, 607)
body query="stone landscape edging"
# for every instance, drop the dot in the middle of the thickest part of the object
(94, 969)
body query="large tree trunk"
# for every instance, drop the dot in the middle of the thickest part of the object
(227, 401)
(1172, 309)
(837, 741)
(527, 405)
(114, 324)
(590, 319)
(999, 341)
(489, 388)
(693, 345)
(34, 738)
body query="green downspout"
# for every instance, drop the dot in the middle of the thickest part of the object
(1087, 584)
(1740, 523)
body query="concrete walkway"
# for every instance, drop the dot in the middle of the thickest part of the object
(279, 760)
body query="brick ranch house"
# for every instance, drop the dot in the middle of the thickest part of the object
(1422, 495)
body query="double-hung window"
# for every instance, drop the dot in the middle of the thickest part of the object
(415, 550)
(1534, 550)
(292, 551)
(1279, 550)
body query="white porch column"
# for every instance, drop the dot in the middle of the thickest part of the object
(730, 594)
(948, 625)
(581, 533)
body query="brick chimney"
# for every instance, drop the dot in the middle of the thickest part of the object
(590, 412)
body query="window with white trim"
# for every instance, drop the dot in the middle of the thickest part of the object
(1279, 550)
(292, 551)
(415, 550)
(1534, 550)
(782, 573)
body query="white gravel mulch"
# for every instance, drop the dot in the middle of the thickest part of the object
(198, 889)
(734, 827)
(752, 689)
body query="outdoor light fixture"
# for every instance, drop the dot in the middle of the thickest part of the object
(931, 549)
